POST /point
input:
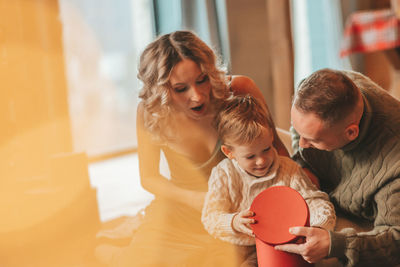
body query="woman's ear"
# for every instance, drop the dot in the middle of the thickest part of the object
(227, 151)
(352, 132)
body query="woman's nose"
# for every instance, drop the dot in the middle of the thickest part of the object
(196, 95)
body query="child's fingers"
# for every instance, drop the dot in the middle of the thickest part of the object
(246, 230)
(241, 222)
(246, 213)
(248, 220)
(249, 213)
(245, 226)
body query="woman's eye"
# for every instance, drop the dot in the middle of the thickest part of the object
(180, 89)
(203, 79)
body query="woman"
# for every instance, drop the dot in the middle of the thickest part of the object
(182, 91)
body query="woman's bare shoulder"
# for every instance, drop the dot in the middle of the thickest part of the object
(242, 85)
(242, 81)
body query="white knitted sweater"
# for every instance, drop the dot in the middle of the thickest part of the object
(231, 189)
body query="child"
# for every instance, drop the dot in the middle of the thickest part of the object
(253, 165)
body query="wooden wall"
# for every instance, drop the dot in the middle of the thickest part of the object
(261, 48)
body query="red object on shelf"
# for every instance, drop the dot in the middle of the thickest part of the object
(276, 210)
(370, 30)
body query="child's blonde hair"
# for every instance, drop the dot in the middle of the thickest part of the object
(241, 120)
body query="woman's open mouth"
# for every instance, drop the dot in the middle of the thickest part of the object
(198, 109)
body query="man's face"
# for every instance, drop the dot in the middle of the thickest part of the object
(315, 134)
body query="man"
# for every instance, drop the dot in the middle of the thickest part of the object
(346, 130)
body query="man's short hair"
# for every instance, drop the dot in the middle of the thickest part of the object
(327, 93)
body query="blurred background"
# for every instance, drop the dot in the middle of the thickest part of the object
(69, 92)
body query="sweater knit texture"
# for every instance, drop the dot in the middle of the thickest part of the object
(362, 180)
(231, 190)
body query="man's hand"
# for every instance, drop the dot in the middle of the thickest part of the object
(316, 246)
(241, 222)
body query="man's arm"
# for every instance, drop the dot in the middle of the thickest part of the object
(316, 247)
(381, 245)
(378, 247)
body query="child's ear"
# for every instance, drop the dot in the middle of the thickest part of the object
(227, 151)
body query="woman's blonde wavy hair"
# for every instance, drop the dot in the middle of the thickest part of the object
(156, 64)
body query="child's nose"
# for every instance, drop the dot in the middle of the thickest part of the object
(260, 161)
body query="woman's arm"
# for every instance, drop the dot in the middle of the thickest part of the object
(242, 85)
(149, 165)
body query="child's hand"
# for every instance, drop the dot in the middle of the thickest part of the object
(241, 222)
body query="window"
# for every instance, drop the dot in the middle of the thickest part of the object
(316, 38)
(102, 42)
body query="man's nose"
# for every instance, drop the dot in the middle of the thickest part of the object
(304, 143)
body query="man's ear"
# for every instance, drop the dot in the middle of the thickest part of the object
(227, 151)
(352, 132)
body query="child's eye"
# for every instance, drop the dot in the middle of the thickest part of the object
(250, 157)
(267, 149)
(203, 79)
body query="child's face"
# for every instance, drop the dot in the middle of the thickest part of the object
(255, 158)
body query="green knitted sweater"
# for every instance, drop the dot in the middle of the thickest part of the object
(363, 180)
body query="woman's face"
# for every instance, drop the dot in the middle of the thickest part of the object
(190, 89)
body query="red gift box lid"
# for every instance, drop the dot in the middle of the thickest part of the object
(276, 210)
